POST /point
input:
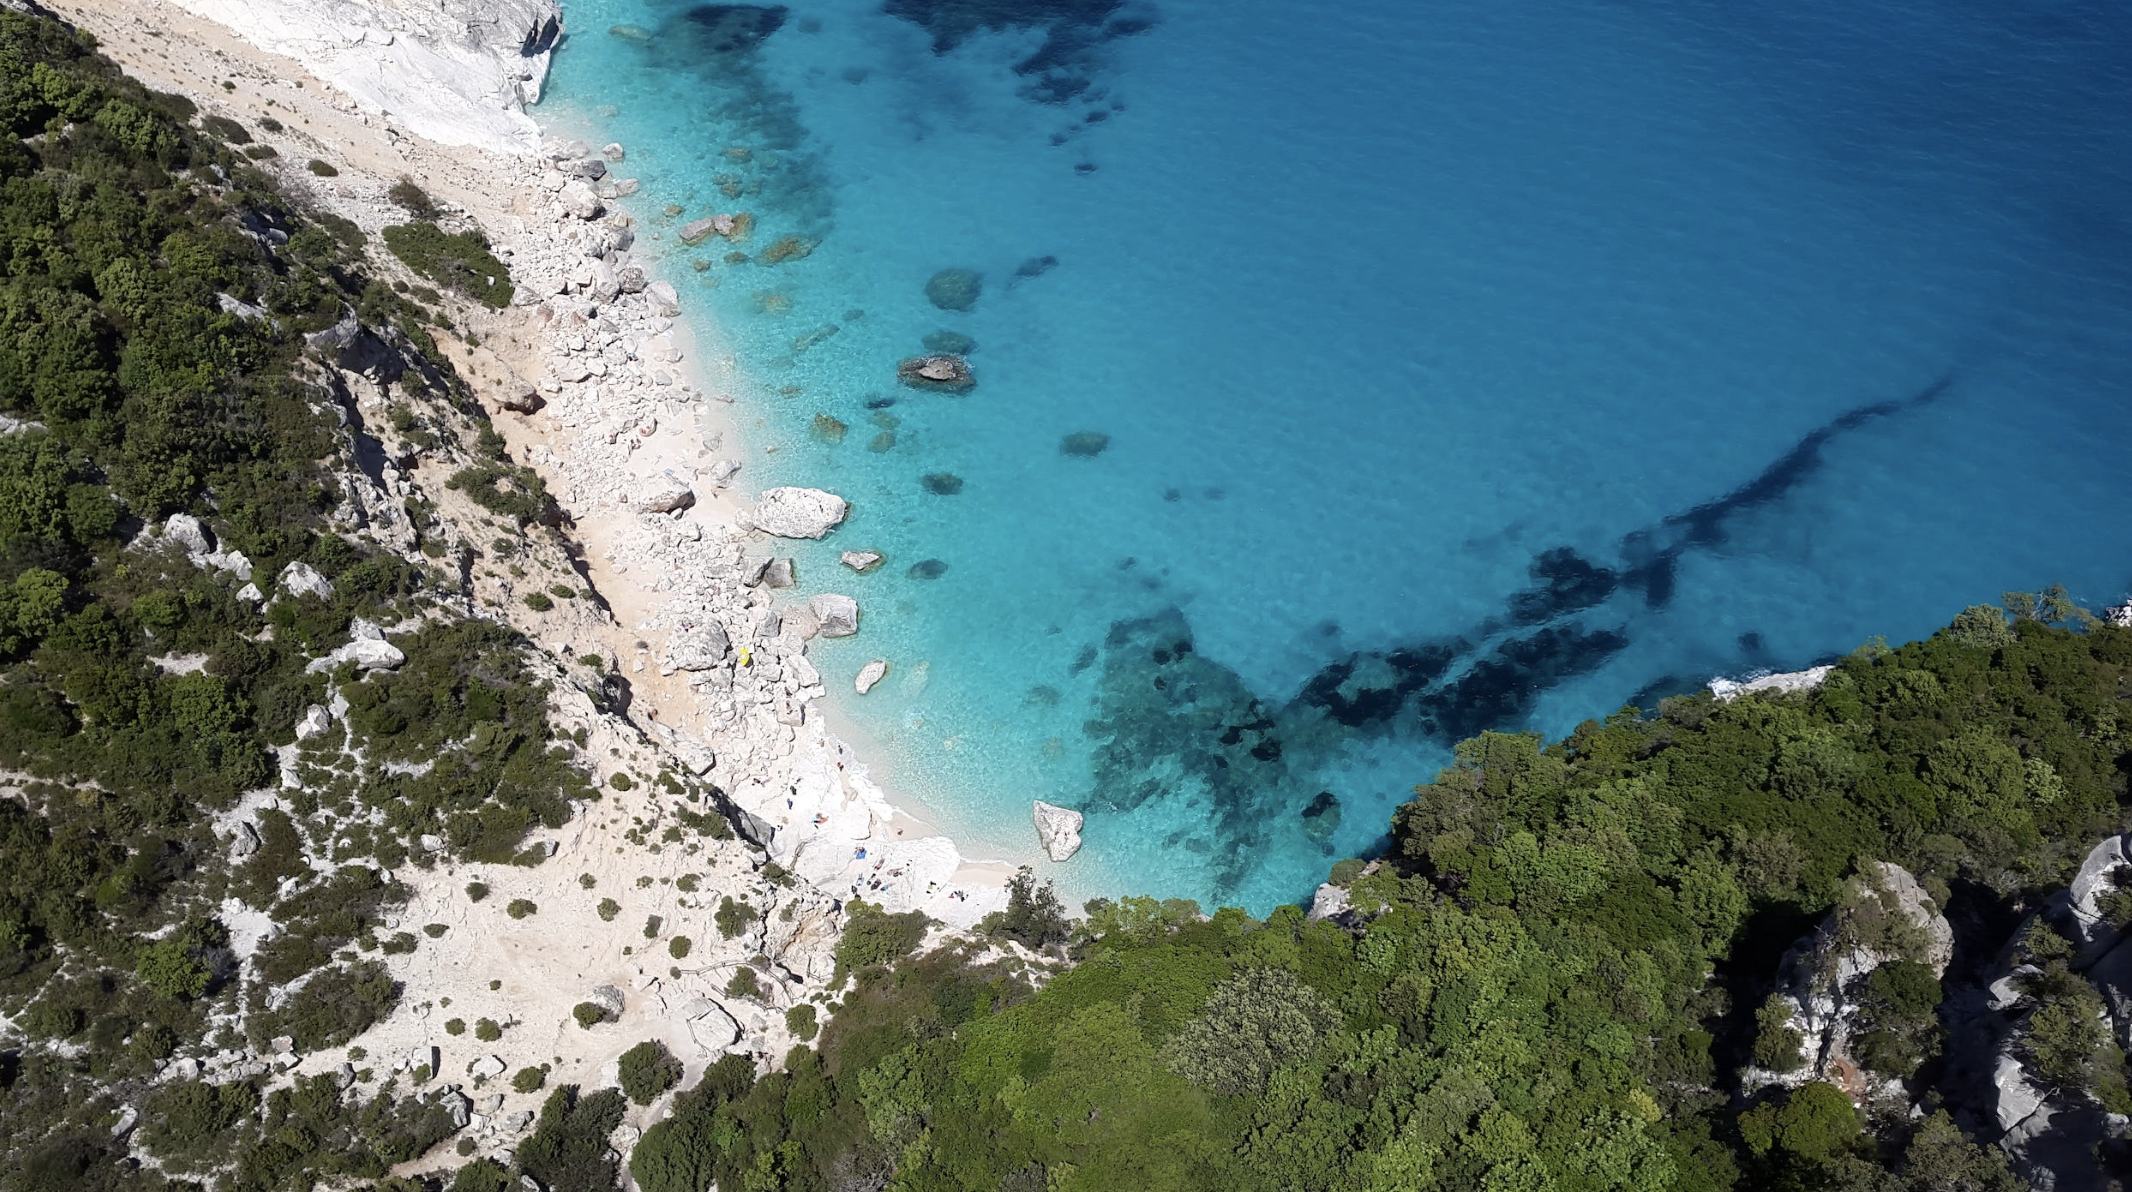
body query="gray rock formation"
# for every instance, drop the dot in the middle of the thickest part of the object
(1058, 829)
(698, 649)
(948, 374)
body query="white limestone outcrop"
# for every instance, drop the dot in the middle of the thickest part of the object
(790, 512)
(459, 72)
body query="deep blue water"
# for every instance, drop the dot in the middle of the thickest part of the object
(1463, 365)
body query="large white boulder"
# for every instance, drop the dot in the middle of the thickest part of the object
(664, 494)
(302, 579)
(1727, 690)
(186, 530)
(1058, 829)
(838, 615)
(790, 512)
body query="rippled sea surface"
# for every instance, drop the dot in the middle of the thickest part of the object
(1435, 367)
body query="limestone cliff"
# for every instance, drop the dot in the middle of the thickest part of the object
(459, 72)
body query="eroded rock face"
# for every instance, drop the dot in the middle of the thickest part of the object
(459, 72)
(948, 374)
(1058, 829)
(796, 512)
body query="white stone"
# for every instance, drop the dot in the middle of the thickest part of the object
(789, 512)
(698, 649)
(870, 674)
(613, 151)
(664, 494)
(579, 199)
(366, 653)
(486, 1067)
(838, 614)
(186, 530)
(302, 579)
(250, 594)
(860, 560)
(1058, 829)
(315, 721)
(665, 302)
(2017, 1097)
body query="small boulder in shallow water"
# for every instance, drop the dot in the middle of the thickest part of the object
(786, 248)
(949, 374)
(870, 674)
(791, 512)
(927, 569)
(829, 429)
(954, 343)
(1058, 829)
(1086, 443)
(942, 484)
(954, 289)
(883, 443)
(860, 560)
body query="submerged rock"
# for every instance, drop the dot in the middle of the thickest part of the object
(954, 289)
(789, 512)
(882, 443)
(786, 248)
(860, 560)
(953, 343)
(949, 374)
(944, 484)
(1086, 443)
(1058, 829)
(927, 569)
(829, 429)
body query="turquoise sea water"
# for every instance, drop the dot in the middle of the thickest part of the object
(1464, 365)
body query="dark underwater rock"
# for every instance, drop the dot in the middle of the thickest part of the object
(927, 569)
(948, 374)
(1085, 443)
(954, 289)
(943, 484)
(953, 343)
(829, 429)
(733, 28)
(1036, 267)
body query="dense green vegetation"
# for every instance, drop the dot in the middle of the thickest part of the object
(1551, 983)
(459, 261)
(155, 295)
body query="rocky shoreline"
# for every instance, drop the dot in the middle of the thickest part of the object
(675, 588)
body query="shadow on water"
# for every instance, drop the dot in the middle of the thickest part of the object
(1171, 725)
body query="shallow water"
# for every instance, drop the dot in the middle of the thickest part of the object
(1461, 367)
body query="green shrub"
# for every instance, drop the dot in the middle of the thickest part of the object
(590, 1014)
(435, 931)
(733, 917)
(460, 262)
(527, 1080)
(647, 1070)
(476, 891)
(412, 198)
(621, 781)
(744, 983)
(487, 1030)
(678, 947)
(260, 152)
(455, 1026)
(538, 601)
(800, 1021)
(519, 908)
(609, 909)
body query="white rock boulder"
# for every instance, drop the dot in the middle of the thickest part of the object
(1058, 829)
(790, 512)
(838, 615)
(302, 579)
(860, 560)
(870, 674)
(664, 495)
